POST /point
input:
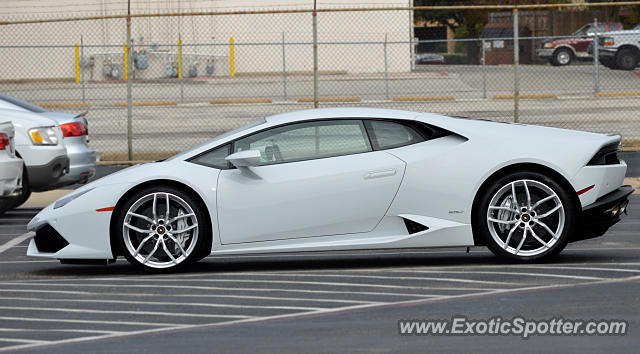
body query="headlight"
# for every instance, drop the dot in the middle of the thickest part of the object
(608, 41)
(64, 201)
(43, 136)
(548, 45)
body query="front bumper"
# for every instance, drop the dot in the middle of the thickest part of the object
(607, 210)
(45, 177)
(544, 52)
(607, 53)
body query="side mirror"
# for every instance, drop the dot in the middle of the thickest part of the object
(245, 158)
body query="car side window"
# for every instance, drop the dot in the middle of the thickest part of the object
(214, 158)
(388, 135)
(306, 141)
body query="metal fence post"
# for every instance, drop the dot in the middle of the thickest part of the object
(516, 63)
(284, 68)
(84, 97)
(386, 69)
(315, 57)
(129, 97)
(484, 71)
(596, 71)
(180, 69)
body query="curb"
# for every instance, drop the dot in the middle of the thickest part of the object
(617, 93)
(53, 105)
(148, 103)
(331, 99)
(240, 100)
(422, 98)
(529, 96)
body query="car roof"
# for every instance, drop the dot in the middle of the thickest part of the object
(339, 113)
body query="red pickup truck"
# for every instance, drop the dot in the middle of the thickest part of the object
(563, 51)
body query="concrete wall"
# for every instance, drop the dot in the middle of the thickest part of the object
(258, 38)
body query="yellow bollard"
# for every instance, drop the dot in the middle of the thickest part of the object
(232, 59)
(179, 58)
(77, 63)
(126, 62)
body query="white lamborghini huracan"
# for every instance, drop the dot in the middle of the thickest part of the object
(344, 179)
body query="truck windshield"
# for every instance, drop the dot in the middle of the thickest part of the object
(582, 30)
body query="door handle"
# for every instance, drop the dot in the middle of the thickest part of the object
(380, 173)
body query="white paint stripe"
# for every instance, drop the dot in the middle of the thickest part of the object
(455, 280)
(304, 291)
(26, 341)
(165, 303)
(16, 241)
(577, 277)
(128, 323)
(270, 281)
(109, 312)
(87, 293)
(94, 331)
(32, 261)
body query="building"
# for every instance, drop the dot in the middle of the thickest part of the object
(258, 38)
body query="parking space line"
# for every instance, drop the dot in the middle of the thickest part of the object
(254, 289)
(23, 341)
(92, 331)
(108, 312)
(194, 304)
(275, 298)
(432, 278)
(65, 320)
(16, 241)
(338, 284)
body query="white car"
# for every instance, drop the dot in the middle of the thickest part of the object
(344, 179)
(75, 138)
(10, 165)
(620, 49)
(38, 141)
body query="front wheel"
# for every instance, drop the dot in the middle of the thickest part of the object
(562, 57)
(525, 216)
(627, 59)
(162, 228)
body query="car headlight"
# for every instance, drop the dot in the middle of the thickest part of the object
(609, 41)
(548, 45)
(43, 136)
(64, 201)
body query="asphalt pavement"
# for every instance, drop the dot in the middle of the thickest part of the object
(318, 302)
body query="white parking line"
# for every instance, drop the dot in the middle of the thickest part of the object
(128, 323)
(118, 312)
(165, 303)
(275, 298)
(339, 284)
(92, 331)
(577, 277)
(16, 241)
(304, 291)
(23, 341)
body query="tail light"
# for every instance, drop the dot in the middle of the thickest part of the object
(4, 141)
(73, 129)
(608, 155)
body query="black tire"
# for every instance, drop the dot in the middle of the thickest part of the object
(562, 57)
(537, 181)
(201, 248)
(609, 63)
(627, 59)
(25, 193)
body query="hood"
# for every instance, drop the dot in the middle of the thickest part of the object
(26, 119)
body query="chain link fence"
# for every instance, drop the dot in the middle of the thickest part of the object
(195, 76)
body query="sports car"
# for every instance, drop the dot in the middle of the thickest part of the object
(346, 179)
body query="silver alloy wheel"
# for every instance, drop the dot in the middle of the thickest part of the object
(160, 230)
(526, 214)
(563, 57)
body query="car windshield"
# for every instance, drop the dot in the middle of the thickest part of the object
(582, 30)
(21, 104)
(220, 137)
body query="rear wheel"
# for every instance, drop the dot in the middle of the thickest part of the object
(627, 59)
(162, 228)
(525, 216)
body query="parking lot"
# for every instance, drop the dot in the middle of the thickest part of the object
(323, 301)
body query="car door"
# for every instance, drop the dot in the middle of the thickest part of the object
(315, 178)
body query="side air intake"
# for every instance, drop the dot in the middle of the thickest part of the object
(414, 227)
(48, 240)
